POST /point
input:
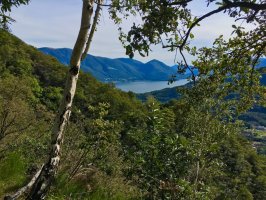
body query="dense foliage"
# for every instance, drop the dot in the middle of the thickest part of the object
(5, 9)
(115, 146)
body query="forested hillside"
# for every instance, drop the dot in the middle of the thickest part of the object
(115, 146)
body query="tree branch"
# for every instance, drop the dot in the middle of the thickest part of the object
(194, 24)
(249, 5)
(187, 67)
(227, 5)
(93, 28)
(179, 3)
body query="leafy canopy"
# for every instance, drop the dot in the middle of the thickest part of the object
(6, 6)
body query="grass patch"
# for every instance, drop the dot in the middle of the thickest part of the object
(12, 173)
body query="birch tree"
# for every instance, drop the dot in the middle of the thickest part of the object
(41, 182)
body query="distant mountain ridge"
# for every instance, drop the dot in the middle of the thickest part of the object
(119, 69)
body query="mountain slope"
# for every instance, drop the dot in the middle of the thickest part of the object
(120, 69)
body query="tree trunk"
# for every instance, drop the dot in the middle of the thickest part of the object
(42, 180)
(46, 177)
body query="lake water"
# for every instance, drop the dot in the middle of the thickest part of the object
(148, 86)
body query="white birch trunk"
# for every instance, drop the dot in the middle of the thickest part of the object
(43, 182)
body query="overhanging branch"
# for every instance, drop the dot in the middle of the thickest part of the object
(227, 5)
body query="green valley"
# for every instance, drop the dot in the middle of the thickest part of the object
(115, 146)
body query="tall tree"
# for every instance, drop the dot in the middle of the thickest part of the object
(41, 182)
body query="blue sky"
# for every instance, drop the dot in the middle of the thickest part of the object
(55, 23)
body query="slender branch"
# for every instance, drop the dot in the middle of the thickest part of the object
(3, 122)
(78, 164)
(187, 66)
(249, 5)
(6, 125)
(179, 3)
(228, 5)
(92, 31)
(195, 23)
(111, 5)
(19, 130)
